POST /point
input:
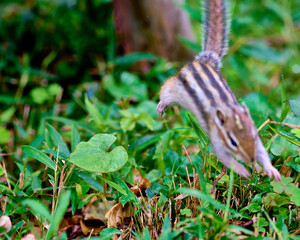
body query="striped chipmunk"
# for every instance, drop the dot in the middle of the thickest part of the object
(200, 88)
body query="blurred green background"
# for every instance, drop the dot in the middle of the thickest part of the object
(60, 63)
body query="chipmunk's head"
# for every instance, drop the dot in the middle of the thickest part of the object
(237, 132)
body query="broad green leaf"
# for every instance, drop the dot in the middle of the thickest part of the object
(61, 146)
(94, 155)
(38, 208)
(40, 156)
(295, 106)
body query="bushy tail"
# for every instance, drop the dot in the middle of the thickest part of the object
(215, 40)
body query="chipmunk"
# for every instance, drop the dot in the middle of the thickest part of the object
(200, 88)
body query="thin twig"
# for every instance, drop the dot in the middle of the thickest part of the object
(217, 180)
(278, 123)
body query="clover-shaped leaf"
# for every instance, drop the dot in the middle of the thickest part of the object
(279, 187)
(95, 156)
(296, 197)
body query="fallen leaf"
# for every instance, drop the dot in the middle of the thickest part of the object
(93, 227)
(118, 216)
(144, 183)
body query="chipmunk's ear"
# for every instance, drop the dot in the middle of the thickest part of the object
(220, 117)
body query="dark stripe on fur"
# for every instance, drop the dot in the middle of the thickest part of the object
(201, 84)
(215, 83)
(195, 98)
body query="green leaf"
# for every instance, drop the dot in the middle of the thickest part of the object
(127, 124)
(87, 177)
(108, 233)
(63, 203)
(147, 119)
(38, 208)
(36, 183)
(61, 146)
(94, 155)
(5, 135)
(186, 212)
(39, 95)
(279, 187)
(146, 234)
(1, 171)
(296, 132)
(134, 57)
(7, 115)
(288, 136)
(15, 228)
(295, 106)
(261, 51)
(296, 197)
(38, 155)
(96, 115)
(199, 131)
(114, 185)
(75, 137)
(130, 86)
(207, 198)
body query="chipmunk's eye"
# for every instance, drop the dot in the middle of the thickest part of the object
(232, 140)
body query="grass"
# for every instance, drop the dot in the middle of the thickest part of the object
(79, 131)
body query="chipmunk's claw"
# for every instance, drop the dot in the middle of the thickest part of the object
(161, 108)
(271, 171)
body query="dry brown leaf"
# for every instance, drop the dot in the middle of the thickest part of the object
(144, 183)
(118, 216)
(93, 227)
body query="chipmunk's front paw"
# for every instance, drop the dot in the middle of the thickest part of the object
(271, 171)
(242, 171)
(161, 108)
